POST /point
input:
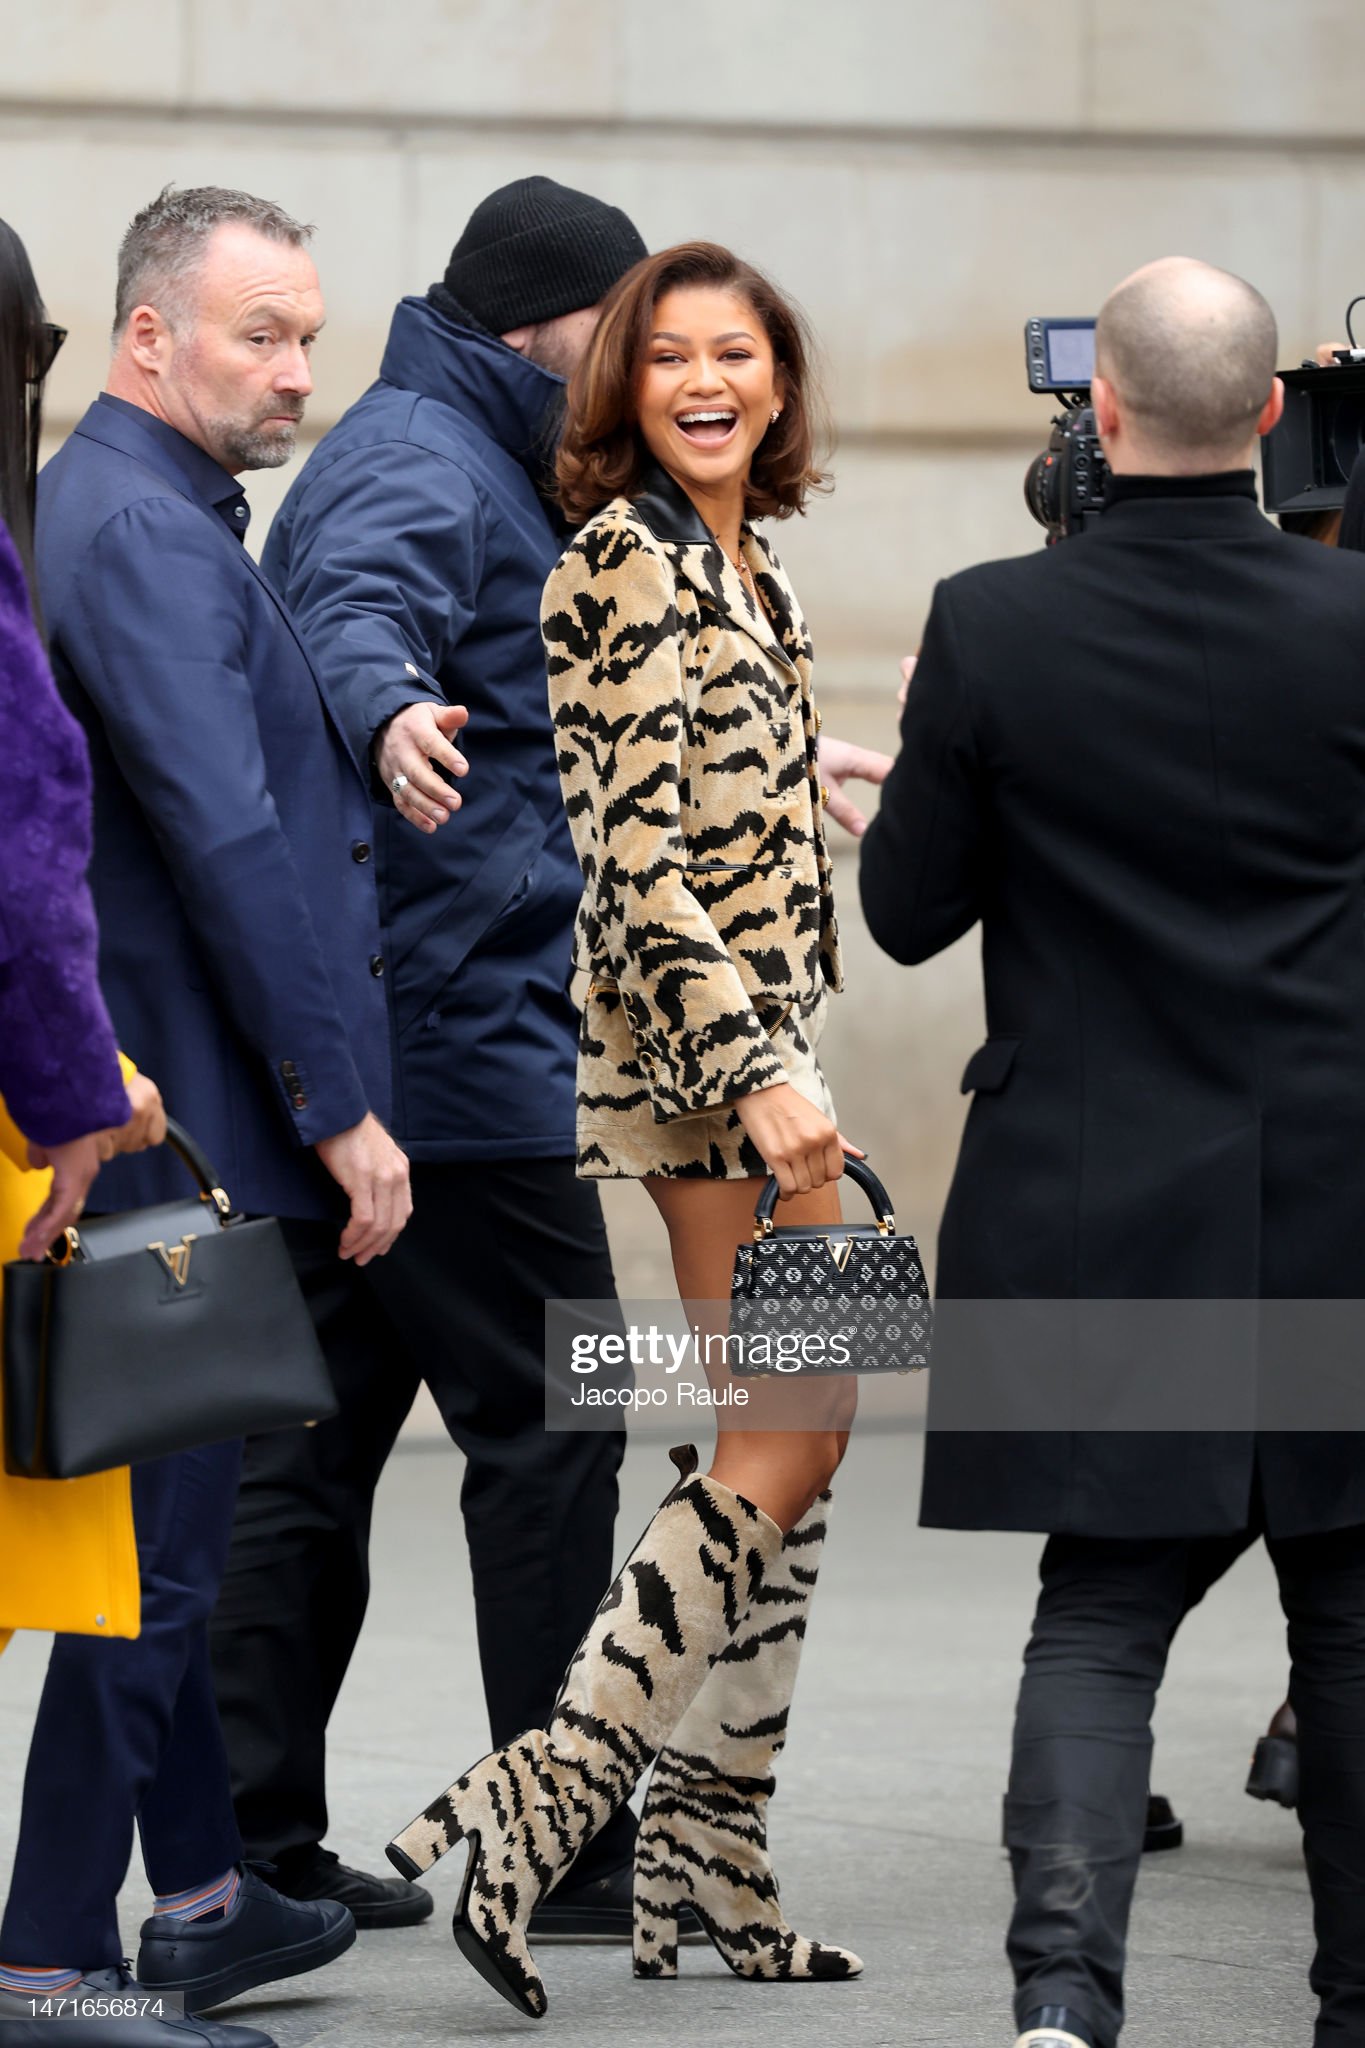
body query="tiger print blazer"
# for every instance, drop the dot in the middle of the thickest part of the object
(686, 740)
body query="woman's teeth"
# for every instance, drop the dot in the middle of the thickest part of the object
(706, 425)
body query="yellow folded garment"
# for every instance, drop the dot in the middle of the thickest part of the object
(68, 1559)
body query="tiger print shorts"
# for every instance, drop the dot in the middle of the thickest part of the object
(626, 1143)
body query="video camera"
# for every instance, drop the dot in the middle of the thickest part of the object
(1306, 462)
(1064, 486)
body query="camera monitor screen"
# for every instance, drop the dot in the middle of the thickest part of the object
(1061, 354)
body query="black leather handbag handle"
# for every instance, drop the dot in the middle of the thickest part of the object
(191, 1156)
(195, 1161)
(856, 1170)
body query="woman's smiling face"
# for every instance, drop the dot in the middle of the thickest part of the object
(708, 388)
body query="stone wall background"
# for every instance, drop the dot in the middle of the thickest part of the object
(923, 178)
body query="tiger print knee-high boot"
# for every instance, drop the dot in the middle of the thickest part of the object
(703, 1833)
(528, 1809)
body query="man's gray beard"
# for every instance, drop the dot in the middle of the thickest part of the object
(248, 448)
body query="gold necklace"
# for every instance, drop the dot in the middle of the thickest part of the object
(737, 562)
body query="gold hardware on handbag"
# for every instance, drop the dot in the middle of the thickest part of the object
(177, 1262)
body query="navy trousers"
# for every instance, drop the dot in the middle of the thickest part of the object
(127, 1733)
(460, 1303)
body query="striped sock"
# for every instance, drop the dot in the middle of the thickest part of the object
(26, 1983)
(202, 1901)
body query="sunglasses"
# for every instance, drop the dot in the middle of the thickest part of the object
(48, 342)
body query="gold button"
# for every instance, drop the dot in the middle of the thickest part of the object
(819, 721)
(824, 794)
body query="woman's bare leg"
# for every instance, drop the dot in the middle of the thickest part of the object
(781, 1468)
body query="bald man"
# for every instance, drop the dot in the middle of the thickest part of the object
(1138, 761)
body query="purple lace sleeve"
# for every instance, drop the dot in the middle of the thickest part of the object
(59, 1071)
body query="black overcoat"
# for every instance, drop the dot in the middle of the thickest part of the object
(1138, 759)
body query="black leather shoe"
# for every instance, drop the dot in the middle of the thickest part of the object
(372, 1901)
(265, 1937)
(1275, 1760)
(599, 1910)
(130, 2020)
(1163, 1830)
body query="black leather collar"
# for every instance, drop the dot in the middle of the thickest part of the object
(667, 510)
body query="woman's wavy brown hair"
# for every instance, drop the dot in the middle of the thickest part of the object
(602, 454)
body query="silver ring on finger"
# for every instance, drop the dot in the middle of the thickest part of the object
(399, 784)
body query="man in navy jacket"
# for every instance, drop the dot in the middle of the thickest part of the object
(241, 959)
(413, 550)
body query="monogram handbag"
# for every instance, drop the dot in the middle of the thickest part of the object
(830, 1297)
(156, 1330)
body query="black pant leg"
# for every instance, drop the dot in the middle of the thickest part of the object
(187, 1825)
(1076, 1807)
(466, 1287)
(297, 1582)
(1322, 1590)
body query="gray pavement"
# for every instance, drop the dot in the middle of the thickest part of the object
(886, 1828)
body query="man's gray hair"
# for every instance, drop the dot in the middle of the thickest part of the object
(1190, 351)
(159, 257)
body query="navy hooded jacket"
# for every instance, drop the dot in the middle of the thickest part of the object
(412, 549)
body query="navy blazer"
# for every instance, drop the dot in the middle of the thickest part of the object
(240, 948)
(412, 550)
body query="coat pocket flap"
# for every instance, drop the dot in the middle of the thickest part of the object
(988, 1069)
(424, 964)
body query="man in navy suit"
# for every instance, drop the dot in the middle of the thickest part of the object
(243, 966)
(412, 550)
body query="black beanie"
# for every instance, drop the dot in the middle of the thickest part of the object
(536, 249)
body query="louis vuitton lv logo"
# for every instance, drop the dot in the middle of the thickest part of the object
(839, 1252)
(176, 1260)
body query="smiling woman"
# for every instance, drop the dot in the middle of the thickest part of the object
(680, 683)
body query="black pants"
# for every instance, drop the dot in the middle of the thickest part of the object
(459, 1303)
(127, 1733)
(1082, 1747)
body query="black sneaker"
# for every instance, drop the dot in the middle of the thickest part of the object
(599, 1910)
(263, 1937)
(110, 2009)
(372, 1901)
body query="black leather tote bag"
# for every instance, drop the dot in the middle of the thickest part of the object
(154, 1331)
(830, 1297)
